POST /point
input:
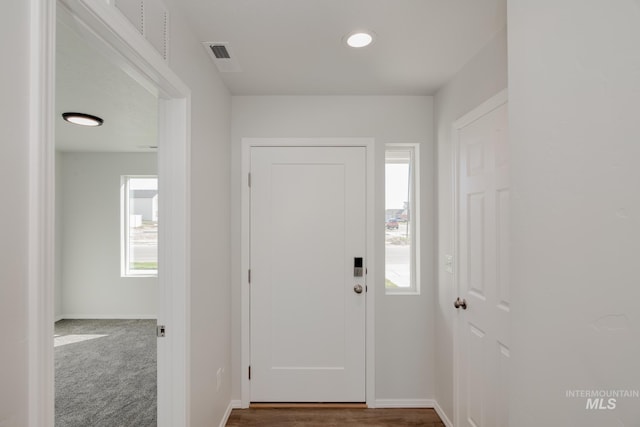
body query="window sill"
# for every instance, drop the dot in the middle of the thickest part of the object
(137, 276)
(412, 292)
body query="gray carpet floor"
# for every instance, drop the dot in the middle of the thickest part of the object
(105, 373)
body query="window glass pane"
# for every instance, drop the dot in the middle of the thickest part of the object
(398, 217)
(142, 230)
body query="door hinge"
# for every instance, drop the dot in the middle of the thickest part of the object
(249, 275)
(249, 371)
(160, 331)
(249, 180)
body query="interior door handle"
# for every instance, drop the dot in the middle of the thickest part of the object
(357, 289)
(460, 303)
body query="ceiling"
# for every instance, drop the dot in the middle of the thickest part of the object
(88, 82)
(284, 47)
(295, 47)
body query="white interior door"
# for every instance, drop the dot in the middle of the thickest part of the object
(483, 278)
(307, 320)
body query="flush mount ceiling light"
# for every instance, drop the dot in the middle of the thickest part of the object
(359, 39)
(82, 119)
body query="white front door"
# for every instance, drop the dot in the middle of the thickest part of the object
(307, 320)
(482, 340)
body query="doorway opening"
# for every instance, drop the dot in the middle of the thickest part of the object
(106, 226)
(105, 29)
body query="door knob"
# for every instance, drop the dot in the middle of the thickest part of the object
(460, 303)
(357, 289)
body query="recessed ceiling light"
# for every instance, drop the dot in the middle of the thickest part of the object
(82, 119)
(359, 39)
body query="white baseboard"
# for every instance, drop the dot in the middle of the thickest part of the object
(225, 417)
(446, 421)
(405, 403)
(109, 316)
(234, 404)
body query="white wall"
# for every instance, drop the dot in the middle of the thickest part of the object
(14, 131)
(574, 87)
(484, 76)
(210, 217)
(90, 237)
(404, 324)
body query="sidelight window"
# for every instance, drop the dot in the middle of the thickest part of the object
(401, 220)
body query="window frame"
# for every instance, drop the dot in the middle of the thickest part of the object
(414, 217)
(125, 218)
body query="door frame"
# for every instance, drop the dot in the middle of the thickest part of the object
(481, 110)
(108, 29)
(245, 242)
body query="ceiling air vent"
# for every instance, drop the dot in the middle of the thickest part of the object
(220, 51)
(222, 55)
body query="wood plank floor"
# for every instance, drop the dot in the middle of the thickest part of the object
(307, 417)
